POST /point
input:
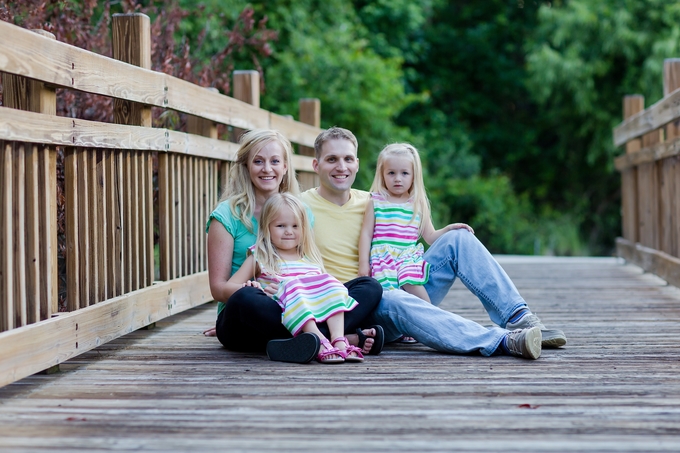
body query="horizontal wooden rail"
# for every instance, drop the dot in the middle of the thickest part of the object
(35, 347)
(23, 126)
(648, 154)
(31, 55)
(654, 117)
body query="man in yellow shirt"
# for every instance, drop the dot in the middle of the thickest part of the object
(338, 212)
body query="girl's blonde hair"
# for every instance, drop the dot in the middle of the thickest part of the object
(265, 252)
(417, 191)
(239, 189)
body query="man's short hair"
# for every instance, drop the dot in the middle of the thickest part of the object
(334, 133)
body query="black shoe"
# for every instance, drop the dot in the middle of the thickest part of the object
(378, 340)
(300, 349)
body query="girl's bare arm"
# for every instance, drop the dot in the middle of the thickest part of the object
(430, 234)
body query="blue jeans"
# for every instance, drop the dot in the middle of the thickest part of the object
(457, 253)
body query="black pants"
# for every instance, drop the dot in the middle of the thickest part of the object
(251, 318)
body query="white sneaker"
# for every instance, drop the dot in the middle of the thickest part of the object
(524, 343)
(552, 338)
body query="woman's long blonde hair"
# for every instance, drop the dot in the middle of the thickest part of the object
(239, 189)
(265, 252)
(421, 205)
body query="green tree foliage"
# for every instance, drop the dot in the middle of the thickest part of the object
(583, 58)
(322, 51)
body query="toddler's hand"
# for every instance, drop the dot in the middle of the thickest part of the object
(364, 271)
(272, 289)
(252, 283)
(459, 226)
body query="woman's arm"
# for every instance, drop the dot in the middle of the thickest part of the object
(430, 234)
(244, 276)
(220, 254)
(365, 240)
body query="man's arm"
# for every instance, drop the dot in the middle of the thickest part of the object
(365, 240)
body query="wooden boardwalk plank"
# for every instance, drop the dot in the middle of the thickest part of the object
(614, 387)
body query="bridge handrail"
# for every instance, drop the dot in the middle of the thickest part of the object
(115, 176)
(650, 179)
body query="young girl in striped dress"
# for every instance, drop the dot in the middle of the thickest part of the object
(285, 254)
(397, 215)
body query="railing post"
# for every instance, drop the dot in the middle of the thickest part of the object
(132, 171)
(648, 194)
(28, 213)
(204, 189)
(669, 169)
(310, 113)
(632, 104)
(246, 88)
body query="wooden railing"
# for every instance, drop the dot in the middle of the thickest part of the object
(650, 179)
(109, 277)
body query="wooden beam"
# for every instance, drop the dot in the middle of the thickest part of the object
(60, 131)
(246, 88)
(6, 238)
(36, 347)
(654, 117)
(38, 223)
(132, 44)
(62, 65)
(303, 134)
(651, 260)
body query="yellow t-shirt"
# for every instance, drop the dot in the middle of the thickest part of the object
(337, 230)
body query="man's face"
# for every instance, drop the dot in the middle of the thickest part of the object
(337, 166)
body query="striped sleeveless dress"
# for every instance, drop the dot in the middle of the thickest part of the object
(305, 292)
(396, 256)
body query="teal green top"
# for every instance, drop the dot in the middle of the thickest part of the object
(243, 238)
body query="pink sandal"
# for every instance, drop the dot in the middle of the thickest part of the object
(359, 357)
(322, 356)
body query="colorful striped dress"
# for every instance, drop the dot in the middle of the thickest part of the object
(396, 256)
(305, 293)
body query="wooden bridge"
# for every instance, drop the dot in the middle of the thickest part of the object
(614, 387)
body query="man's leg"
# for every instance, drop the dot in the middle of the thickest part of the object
(402, 313)
(249, 320)
(367, 292)
(458, 253)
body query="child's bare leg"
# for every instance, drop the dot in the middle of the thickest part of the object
(336, 326)
(311, 327)
(418, 291)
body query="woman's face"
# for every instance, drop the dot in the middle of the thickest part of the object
(267, 168)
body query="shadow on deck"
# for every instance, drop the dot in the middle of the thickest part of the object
(614, 387)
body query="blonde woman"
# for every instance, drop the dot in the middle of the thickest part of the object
(248, 320)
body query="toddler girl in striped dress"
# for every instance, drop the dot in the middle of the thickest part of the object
(285, 254)
(397, 215)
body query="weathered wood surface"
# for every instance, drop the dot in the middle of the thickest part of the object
(614, 387)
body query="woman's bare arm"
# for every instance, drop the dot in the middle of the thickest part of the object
(220, 254)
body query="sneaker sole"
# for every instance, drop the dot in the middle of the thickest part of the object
(533, 342)
(301, 349)
(553, 338)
